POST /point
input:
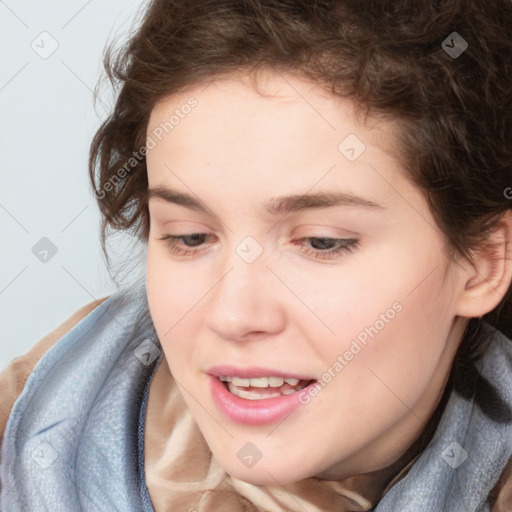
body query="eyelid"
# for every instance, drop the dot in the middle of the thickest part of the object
(348, 245)
(324, 231)
(181, 226)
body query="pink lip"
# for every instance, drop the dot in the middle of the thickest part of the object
(253, 372)
(253, 412)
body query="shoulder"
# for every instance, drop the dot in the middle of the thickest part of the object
(13, 378)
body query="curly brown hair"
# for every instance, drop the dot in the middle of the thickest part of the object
(390, 57)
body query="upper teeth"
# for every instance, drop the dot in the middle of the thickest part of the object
(260, 382)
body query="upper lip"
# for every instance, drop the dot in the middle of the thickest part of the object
(250, 372)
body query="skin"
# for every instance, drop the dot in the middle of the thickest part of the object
(290, 309)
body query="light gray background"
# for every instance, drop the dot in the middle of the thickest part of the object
(48, 121)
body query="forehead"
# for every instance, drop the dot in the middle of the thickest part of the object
(272, 102)
(291, 138)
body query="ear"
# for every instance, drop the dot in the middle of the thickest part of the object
(487, 280)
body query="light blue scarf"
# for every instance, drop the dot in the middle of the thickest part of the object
(469, 450)
(75, 436)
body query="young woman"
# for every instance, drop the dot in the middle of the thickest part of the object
(324, 191)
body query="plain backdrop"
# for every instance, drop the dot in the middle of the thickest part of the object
(50, 257)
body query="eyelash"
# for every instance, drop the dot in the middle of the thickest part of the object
(348, 245)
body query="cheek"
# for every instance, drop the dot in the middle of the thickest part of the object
(157, 286)
(171, 290)
(165, 298)
(342, 306)
(391, 328)
(400, 360)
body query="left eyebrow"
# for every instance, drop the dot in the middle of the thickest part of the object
(298, 202)
(275, 205)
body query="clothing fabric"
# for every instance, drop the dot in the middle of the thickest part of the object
(76, 436)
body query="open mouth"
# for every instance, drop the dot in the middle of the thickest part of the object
(258, 401)
(263, 388)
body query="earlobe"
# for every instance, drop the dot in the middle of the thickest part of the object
(488, 278)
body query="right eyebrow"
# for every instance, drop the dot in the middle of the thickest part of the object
(275, 205)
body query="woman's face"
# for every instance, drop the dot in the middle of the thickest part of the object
(348, 286)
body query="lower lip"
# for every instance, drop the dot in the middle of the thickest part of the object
(254, 412)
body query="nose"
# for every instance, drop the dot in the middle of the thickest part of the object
(247, 302)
